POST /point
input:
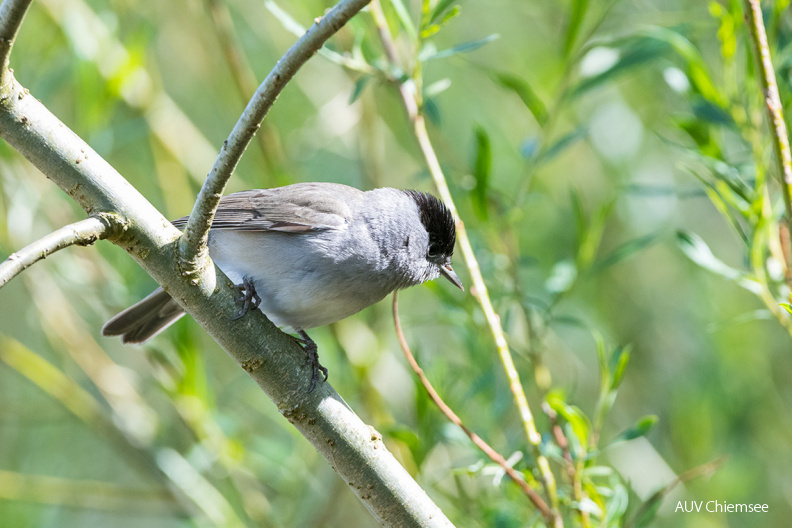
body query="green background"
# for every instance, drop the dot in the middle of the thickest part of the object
(578, 145)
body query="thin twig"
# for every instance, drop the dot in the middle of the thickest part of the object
(295, 28)
(12, 13)
(496, 457)
(572, 472)
(82, 233)
(775, 113)
(479, 289)
(193, 243)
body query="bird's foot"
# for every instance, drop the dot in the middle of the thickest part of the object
(312, 357)
(250, 298)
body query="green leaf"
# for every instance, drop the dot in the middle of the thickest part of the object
(482, 168)
(404, 18)
(624, 251)
(526, 94)
(360, 85)
(618, 364)
(697, 250)
(436, 88)
(590, 237)
(787, 307)
(561, 145)
(694, 62)
(587, 505)
(602, 361)
(439, 9)
(641, 427)
(616, 507)
(431, 29)
(431, 111)
(428, 54)
(711, 113)
(634, 52)
(578, 13)
(573, 415)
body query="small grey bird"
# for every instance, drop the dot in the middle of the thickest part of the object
(310, 254)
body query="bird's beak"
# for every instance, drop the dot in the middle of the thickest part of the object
(448, 272)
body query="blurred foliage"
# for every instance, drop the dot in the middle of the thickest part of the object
(612, 164)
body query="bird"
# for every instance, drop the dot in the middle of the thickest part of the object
(310, 254)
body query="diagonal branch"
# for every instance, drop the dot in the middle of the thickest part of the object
(82, 233)
(496, 457)
(193, 243)
(272, 359)
(12, 12)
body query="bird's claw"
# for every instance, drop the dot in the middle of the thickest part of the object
(312, 357)
(250, 298)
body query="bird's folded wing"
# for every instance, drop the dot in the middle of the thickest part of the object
(296, 208)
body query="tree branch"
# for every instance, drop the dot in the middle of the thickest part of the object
(193, 244)
(82, 233)
(775, 112)
(273, 359)
(12, 12)
(496, 457)
(411, 99)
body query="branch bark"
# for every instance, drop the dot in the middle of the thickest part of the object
(82, 233)
(12, 12)
(193, 243)
(273, 359)
(772, 100)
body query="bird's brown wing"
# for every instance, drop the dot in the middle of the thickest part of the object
(295, 208)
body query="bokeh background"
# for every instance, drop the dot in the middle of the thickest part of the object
(612, 164)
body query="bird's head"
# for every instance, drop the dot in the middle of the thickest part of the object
(438, 221)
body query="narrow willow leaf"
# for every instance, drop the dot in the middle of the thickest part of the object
(694, 62)
(576, 16)
(561, 145)
(439, 9)
(431, 111)
(641, 427)
(618, 364)
(482, 167)
(526, 93)
(602, 361)
(573, 415)
(625, 251)
(635, 52)
(465, 47)
(581, 221)
(360, 85)
(436, 88)
(404, 19)
(431, 29)
(617, 505)
(699, 252)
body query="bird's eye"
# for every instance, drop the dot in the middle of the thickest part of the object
(433, 252)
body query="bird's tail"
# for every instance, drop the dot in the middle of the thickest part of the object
(142, 321)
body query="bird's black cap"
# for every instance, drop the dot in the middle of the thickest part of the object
(438, 221)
